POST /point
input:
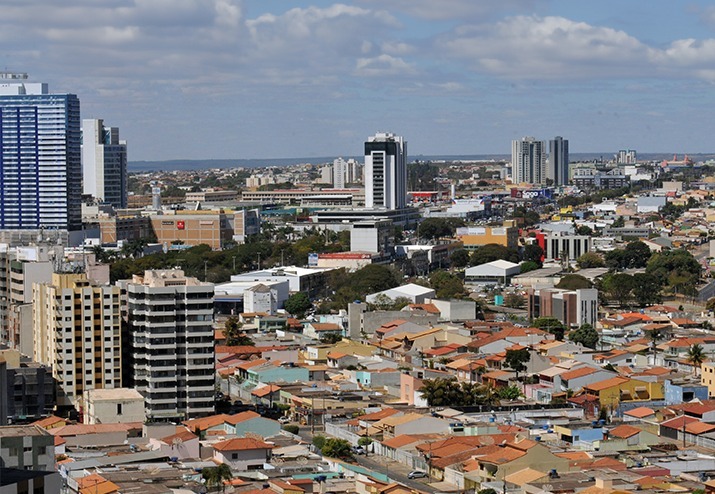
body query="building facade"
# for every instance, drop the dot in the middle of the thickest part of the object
(104, 163)
(528, 161)
(385, 171)
(170, 323)
(564, 246)
(558, 167)
(572, 307)
(77, 331)
(41, 173)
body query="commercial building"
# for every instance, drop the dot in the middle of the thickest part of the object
(558, 166)
(40, 157)
(171, 340)
(235, 297)
(246, 223)
(591, 178)
(474, 237)
(212, 195)
(499, 271)
(104, 163)
(308, 280)
(27, 447)
(295, 196)
(572, 307)
(564, 246)
(27, 389)
(385, 171)
(376, 236)
(77, 331)
(192, 228)
(528, 161)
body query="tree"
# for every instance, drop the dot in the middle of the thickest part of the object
(534, 253)
(619, 287)
(432, 228)
(586, 335)
(297, 304)
(550, 324)
(646, 289)
(637, 254)
(677, 269)
(584, 230)
(459, 258)
(447, 285)
(590, 260)
(215, 476)
(510, 393)
(337, 448)
(233, 334)
(619, 222)
(331, 338)
(696, 356)
(319, 441)
(574, 282)
(527, 266)
(516, 360)
(493, 252)
(514, 301)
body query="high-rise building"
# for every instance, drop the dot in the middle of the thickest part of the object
(528, 161)
(627, 157)
(104, 163)
(40, 157)
(77, 330)
(340, 173)
(558, 167)
(170, 323)
(385, 171)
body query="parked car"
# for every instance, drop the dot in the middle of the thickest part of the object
(284, 420)
(416, 474)
(359, 450)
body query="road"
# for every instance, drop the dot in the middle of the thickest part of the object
(379, 464)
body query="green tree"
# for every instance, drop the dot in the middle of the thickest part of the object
(590, 260)
(215, 476)
(233, 334)
(619, 222)
(493, 252)
(433, 228)
(514, 301)
(527, 266)
(550, 324)
(533, 253)
(573, 282)
(637, 254)
(516, 360)
(297, 304)
(337, 448)
(586, 335)
(646, 289)
(459, 258)
(584, 230)
(619, 287)
(447, 285)
(330, 338)
(677, 269)
(696, 356)
(509, 393)
(319, 441)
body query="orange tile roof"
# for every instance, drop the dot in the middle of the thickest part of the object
(205, 423)
(607, 383)
(640, 412)
(699, 427)
(399, 441)
(325, 326)
(80, 429)
(51, 421)
(182, 436)
(252, 363)
(431, 308)
(241, 444)
(265, 390)
(578, 372)
(237, 418)
(574, 455)
(624, 431)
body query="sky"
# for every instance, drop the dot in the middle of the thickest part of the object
(227, 79)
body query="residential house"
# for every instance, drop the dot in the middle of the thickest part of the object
(613, 392)
(183, 445)
(411, 423)
(322, 330)
(627, 437)
(242, 454)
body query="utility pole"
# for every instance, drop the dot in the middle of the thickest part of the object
(206, 263)
(234, 264)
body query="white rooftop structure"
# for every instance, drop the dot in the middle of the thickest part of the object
(417, 294)
(499, 271)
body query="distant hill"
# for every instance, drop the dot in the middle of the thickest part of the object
(184, 165)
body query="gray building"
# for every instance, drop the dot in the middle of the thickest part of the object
(27, 389)
(558, 166)
(528, 161)
(104, 163)
(26, 447)
(590, 178)
(561, 246)
(385, 171)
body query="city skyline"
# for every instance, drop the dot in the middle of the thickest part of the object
(247, 79)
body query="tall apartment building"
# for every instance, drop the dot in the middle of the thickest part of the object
(558, 166)
(627, 157)
(346, 172)
(40, 157)
(77, 330)
(104, 163)
(528, 161)
(385, 171)
(171, 336)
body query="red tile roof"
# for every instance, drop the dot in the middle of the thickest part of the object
(241, 444)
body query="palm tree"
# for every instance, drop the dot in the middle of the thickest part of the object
(215, 476)
(655, 335)
(696, 356)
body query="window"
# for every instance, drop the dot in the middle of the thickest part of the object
(234, 456)
(119, 408)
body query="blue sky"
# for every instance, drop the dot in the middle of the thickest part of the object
(267, 79)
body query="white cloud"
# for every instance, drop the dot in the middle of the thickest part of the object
(454, 9)
(383, 65)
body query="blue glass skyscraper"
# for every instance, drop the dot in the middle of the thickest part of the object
(40, 157)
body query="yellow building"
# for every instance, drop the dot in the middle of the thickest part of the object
(707, 376)
(616, 390)
(77, 331)
(476, 236)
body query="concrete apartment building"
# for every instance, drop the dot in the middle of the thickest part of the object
(27, 447)
(572, 307)
(77, 331)
(170, 323)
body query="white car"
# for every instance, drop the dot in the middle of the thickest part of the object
(284, 420)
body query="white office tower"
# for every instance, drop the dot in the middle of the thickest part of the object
(385, 171)
(170, 328)
(558, 167)
(104, 163)
(528, 161)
